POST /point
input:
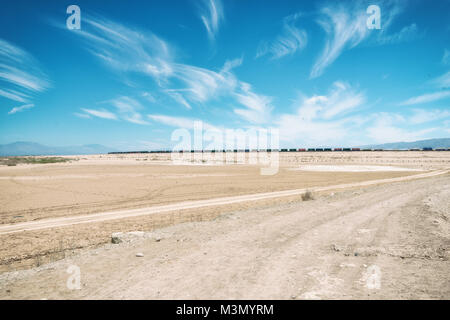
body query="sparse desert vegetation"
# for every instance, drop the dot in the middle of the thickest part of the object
(13, 161)
(307, 196)
(337, 236)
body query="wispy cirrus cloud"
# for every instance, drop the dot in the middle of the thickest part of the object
(231, 64)
(289, 42)
(443, 81)
(178, 98)
(257, 107)
(345, 28)
(129, 109)
(425, 98)
(21, 77)
(136, 52)
(100, 113)
(211, 14)
(21, 108)
(407, 33)
(126, 108)
(124, 49)
(446, 57)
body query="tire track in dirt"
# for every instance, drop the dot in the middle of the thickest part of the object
(112, 215)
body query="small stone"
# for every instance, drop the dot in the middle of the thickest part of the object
(356, 254)
(139, 254)
(293, 297)
(116, 237)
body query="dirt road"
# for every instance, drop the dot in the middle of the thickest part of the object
(381, 241)
(104, 216)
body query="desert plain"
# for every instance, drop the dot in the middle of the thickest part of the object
(374, 225)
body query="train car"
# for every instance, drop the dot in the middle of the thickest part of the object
(326, 149)
(319, 149)
(356, 149)
(427, 149)
(337, 149)
(346, 149)
(292, 150)
(311, 149)
(301, 149)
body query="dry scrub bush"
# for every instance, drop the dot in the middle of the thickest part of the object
(307, 196)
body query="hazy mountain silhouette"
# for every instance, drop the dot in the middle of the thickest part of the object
(431, 143)
(26, 148)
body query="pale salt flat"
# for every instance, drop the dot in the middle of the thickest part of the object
(351, 168)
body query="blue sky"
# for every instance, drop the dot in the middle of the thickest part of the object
(138, 70)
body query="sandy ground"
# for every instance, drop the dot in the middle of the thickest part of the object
(351, 168)
(379, 242)
(218, 247)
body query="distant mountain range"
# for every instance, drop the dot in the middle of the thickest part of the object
(430, 143)
(25, 148)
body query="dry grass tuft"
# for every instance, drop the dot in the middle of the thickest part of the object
(307, 196)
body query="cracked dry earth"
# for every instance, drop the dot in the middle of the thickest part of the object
(388, 241)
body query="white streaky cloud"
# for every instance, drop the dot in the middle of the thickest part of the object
(320, 120)
(124, 49)
(14, 95)
(133, 51)
(446, 57)
(21, 108)
(422, 116)
(407, 33)
(148, 96)
(104, 114)
(134, 118)
(128, 109)
(211, 14)
(345, 27)
(341, 100)
(289, 42)
(258, 107)
(443, 81)
(178, 97)
(201, 84)
(425, 98)
(20, 74)
(231, 64)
